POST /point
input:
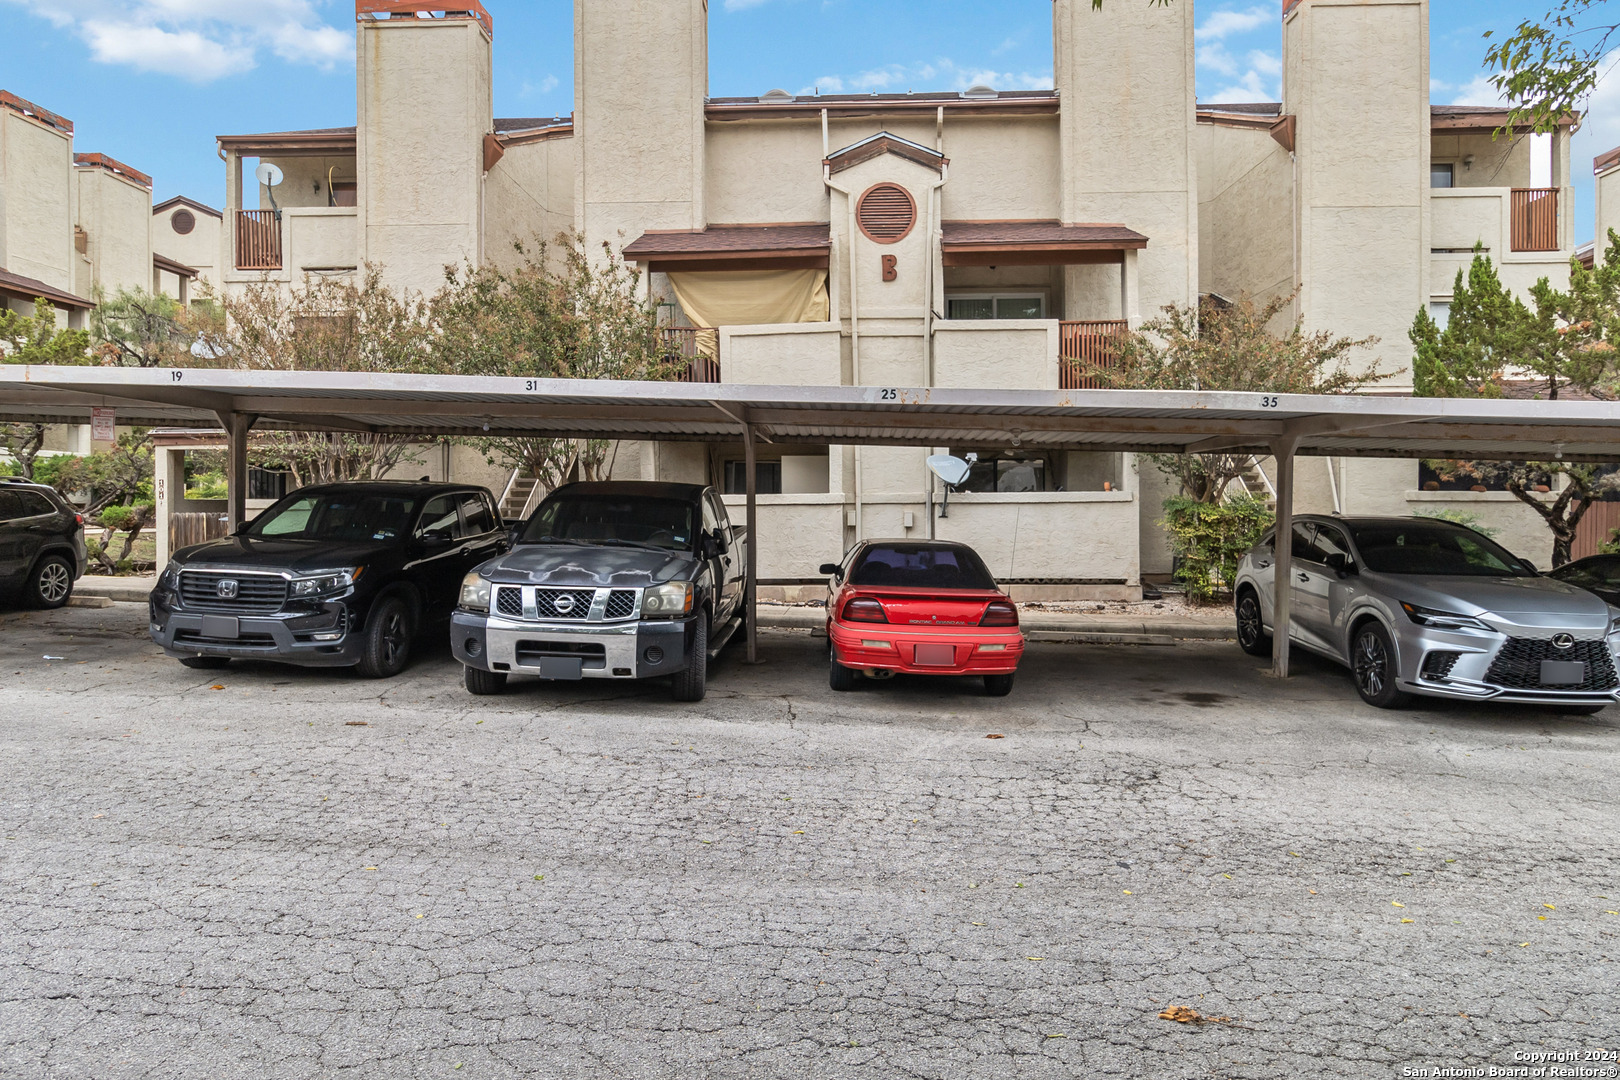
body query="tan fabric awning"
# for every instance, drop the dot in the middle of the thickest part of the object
(751, 297)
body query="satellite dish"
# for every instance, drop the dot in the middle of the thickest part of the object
(268, 173)
(952, 470)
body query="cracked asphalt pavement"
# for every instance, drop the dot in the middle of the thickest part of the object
(275, 872)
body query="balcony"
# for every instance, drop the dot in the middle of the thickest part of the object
(693, 353)
(1520, 229)
(258, 240)
(1084, 346)
(1535, 219)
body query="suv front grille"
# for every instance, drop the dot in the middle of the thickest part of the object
(1518, 665)
(256, 594)
(621, 604)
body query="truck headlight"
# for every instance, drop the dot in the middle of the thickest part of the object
(666, 601)
(321, 582)
(170, 578)
(474, 594)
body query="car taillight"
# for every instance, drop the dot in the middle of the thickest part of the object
(999, 613)
(861, 609)
(79, 518)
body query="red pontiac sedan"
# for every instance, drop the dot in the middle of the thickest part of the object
(922, 607)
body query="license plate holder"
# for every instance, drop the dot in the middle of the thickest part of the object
(1563, 672)
(570, 668)
(934, 656)
(224, 627)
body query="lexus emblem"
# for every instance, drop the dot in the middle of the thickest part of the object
(228, 589)
(1563, 641)
(564, 604)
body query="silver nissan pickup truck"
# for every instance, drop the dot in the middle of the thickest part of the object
(615, 580)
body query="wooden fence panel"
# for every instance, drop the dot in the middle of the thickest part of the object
(191, 528)
(1600, 520)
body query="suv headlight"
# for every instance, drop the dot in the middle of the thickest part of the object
(1442, 620)
(170, 578)
(666, 601)
(474, 593)
(321, 582)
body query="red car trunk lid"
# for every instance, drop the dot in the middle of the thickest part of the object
(926, 608)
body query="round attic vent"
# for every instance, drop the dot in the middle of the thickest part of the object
(886, 213)
(183, 221)
(979, 90)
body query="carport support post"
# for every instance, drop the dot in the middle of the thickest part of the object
(751, 599)
(236, 425)
(1282, 587)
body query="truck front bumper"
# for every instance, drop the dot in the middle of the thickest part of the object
(324, 638)
(557, 650)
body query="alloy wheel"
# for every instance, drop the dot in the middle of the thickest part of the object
(1372, 664)
(393, 638)
(1248, 620)
(54, 583)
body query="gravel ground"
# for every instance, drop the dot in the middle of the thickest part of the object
(272, 872)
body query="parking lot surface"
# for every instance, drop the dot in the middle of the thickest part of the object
(274, 872)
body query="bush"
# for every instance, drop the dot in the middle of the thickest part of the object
(1210, 538)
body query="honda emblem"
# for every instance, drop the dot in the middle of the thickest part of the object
(228, 589)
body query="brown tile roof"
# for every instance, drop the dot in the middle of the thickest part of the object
(114, 166)
(27, 288)
(1044, 233)
(731, 240)
(28, 108)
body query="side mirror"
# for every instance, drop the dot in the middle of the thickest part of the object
(514, 530)
(832, 570)
(437, 538)
(718, 537)
(1340, 564)
(1528, 565)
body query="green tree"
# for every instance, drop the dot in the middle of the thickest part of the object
(576, 317)
(35, 339)
(121, 474)
(1548, 67)
(1230, 348)
(1493, 338)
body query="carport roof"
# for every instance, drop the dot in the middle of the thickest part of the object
(1107, 420)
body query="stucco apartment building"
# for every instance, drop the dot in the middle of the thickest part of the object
(977, 239)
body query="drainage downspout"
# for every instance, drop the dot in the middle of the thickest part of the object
(854, 321)
(934, 230)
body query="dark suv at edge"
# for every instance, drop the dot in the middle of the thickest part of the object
(331, 576)
(42, 550)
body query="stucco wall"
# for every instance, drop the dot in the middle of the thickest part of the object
(1012, 354)
(1357, 78)
(36, 201)
(1245, 199)
(1497, 162)
(198, 249)
(804, 354)
(305, 180)
(1090, 534)
(1463, 217)
(529, 199)
(424, 106)
(319, 238)
(117, 216)
(1126, 78)
(797, 533)
(1606, 193)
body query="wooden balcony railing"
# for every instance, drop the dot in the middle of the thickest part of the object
(1085, 346)
(258, 240)
(1535, 219)
(698, 348)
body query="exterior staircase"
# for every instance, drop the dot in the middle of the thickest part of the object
(1257, 483)
(520, 490)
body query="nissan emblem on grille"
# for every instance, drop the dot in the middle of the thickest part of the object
(564, 604)
(1563, 641)
(228, 588)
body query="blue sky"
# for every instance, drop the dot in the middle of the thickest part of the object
(151, 82)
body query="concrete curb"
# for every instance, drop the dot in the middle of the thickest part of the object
(122, 590)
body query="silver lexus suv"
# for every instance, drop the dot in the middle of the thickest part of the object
(1423, 606)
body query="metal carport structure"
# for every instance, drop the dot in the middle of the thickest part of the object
(1139, 421)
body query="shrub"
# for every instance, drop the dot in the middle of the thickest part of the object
(1210, 538)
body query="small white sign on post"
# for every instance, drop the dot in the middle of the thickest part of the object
(103, 424)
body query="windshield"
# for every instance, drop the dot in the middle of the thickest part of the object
(1434, 550)
(613, 519)
(1590, 573)
(921, 566)
(337, 517)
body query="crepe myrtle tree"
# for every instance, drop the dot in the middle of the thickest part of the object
(35, 339)
(564, 313)
(1229, 347)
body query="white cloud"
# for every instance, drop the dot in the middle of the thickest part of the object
(1221, 24)
(1246, 89)
(199, 40)
(1256, 76)
(942, 74)
(743, 5)
(1477, 91)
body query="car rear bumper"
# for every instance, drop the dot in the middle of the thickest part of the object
(641, 649)
(326, 638)
(975, 652)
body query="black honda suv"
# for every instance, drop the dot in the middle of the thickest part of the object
(338, 575)
(42, 548)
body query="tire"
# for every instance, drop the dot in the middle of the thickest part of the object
(205, 663)
(50, 583)
(1372, 661)
(691, 684)
(388, 639)
(1251, 627)
(839, 677)
(484, 683)
(999, 685)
